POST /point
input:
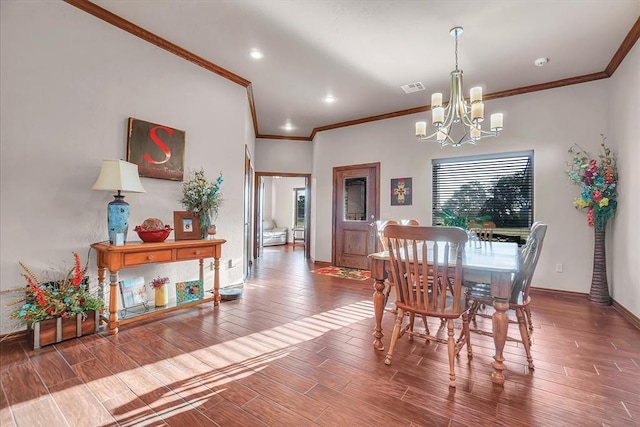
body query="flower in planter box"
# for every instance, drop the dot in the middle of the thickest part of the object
(64, 297)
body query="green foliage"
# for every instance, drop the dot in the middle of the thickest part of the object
(201, 196)
(453, 219)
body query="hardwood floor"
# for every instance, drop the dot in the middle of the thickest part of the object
(296, 350)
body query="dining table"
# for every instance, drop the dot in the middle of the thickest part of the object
(493, 263)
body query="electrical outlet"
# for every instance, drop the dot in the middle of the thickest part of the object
(558, 268)
(230, 265)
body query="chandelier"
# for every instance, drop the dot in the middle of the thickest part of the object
(469, 115)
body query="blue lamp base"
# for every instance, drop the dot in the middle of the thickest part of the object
(118, 220)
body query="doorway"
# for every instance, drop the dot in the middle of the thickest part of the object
(281, 195)
(356, 206)
(248, 208)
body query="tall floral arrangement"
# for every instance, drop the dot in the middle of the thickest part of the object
(202, 197)
(597, 178)
(57, 298)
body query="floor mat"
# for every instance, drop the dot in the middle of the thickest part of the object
(345, 273)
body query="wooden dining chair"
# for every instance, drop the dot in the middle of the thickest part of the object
(484, 230)
(424, 261)
(480, 294)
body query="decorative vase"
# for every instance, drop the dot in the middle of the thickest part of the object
(599, 292)
(204, 220)
(207, 227)
(162, 296)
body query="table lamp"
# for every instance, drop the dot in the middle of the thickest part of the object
(118, 175)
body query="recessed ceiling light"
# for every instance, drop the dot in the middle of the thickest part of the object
(541, 62)
(288, 126)
(256, 54)
(329, 99)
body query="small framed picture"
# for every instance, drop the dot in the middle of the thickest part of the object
(189, 291)
(401, 192)
(186, 226)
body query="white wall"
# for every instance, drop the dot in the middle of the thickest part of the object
(69, 82)
(624, 232)
(283, 155)
(548, 122)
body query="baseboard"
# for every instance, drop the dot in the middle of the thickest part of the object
(631, 318)
(555, 293)
(13, 337)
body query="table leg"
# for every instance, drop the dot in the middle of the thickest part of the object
(113, 303)
(378, 309)
(500, 326)
(216, 281)
(101, 275)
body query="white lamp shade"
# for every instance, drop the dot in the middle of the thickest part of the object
(119, 175)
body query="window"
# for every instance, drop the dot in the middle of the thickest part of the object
(298, 214)
(499, 186)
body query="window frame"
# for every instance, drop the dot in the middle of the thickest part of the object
(442, 187)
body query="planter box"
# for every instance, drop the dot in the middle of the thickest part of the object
(53, 331)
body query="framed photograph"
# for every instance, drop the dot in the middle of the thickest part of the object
(134, 294)
(158, 150)
(189, 291)
(401, 192)
(186, 226)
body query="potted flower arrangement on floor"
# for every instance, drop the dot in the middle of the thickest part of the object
(59, 309)
(598, 180)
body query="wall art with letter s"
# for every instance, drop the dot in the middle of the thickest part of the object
(158, 150)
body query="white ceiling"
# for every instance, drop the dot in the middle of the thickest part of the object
(361, 52)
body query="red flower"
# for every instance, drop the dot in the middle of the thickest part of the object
(77, 277)
(590, 219)
(41, 300)
(597, 195)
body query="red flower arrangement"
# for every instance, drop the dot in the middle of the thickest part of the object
(58, 298)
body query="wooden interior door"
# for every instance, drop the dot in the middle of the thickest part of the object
(356, 205)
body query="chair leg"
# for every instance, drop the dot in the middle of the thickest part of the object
(527, 312)
(467, 334)
(524, 333)
(451, 347)
(394, 336)
(426, 325)
(412, 318)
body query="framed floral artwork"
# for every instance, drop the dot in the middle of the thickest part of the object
(401, 192)
(186, 226)
(158, 150)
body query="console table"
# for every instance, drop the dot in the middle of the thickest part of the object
(133, 254)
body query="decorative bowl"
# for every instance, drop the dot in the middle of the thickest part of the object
(159, 235)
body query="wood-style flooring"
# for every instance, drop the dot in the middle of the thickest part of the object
(296, 350)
